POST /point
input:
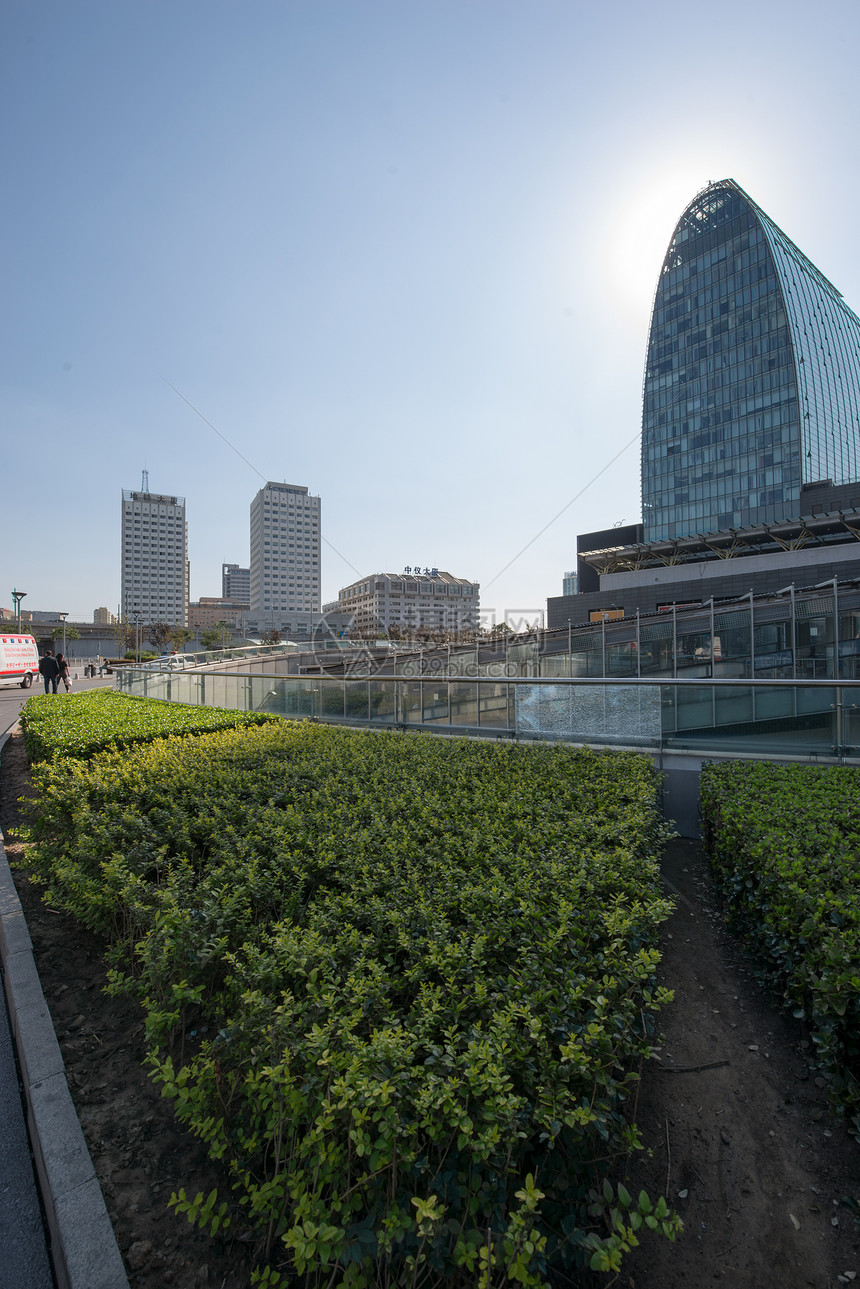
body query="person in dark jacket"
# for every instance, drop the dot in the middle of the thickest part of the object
(50, 671)
(63, 671)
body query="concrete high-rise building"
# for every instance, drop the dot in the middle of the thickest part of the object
(752, 381)
(154, 558)
(285, 550)
(236, 583)
(412, 601)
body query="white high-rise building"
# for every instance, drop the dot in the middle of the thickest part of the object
(235, 583)
(154, 558)
(285, 550)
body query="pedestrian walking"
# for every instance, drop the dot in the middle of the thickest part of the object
(63, 672)
(49, 671)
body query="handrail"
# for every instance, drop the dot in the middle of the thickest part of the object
(437, 678)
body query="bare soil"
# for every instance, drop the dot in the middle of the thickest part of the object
(733, 1116)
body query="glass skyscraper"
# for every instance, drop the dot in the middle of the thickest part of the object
(752, 379)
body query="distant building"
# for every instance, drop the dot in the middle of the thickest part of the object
(298, 624)
(285, 551)
(236, 584)
(427, 600)
(42, 615)
(210, 611)
(154, 558)
(569, 583)
(103, 617)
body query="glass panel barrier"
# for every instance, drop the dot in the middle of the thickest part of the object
(331, 699)
(382, 701)
(298, 696)
(733, 704)
(352, 700)
(267, 694)
(435, 702)
(496, 706)
(464, 703)
(851, 724)
(694, 707)
(410, 698)
(554, 664)
(621, 658)
(782, 719)
(624, 714)
(464, 662)
(655, 648)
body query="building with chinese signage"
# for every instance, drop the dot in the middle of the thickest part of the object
(421, 598)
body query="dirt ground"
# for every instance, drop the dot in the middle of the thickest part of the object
(733, 1117)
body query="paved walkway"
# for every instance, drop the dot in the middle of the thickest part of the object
(24, 1263)
(54, 1228)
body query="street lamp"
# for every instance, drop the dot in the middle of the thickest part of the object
(62, 617)
(135, 613)
(17, 597)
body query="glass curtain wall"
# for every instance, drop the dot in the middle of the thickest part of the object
(752, 381)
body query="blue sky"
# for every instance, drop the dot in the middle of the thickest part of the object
(402, 253)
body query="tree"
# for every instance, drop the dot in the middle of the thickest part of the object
(70, 631)
(215, 637)
(123, 633)
(179, 637)
(160, 634)
(271, 637)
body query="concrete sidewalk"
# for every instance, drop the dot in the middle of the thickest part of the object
(54, 1226)
(25, 1263)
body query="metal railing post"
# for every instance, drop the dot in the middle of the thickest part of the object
(674, 640)
(840, 742)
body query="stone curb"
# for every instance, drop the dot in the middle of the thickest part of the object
(83, 1247)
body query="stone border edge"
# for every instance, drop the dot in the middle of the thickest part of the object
(83, 1248)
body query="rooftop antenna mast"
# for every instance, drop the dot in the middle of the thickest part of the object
(144, 481)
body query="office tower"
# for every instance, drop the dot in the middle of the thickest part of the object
(752, 381)
(235, 583)
(412, 601)
(154, 557)
(285, 550)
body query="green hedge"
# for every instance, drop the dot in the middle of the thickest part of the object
(82, 724)
(400, 985)
(785, 845)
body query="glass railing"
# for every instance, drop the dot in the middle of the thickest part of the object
(803, 719)
(206, 657)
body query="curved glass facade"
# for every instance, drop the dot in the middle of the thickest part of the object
(752, 379)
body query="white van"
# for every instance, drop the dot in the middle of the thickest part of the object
(19, 660)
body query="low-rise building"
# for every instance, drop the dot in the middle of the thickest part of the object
(211, 610)
(299, 624)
